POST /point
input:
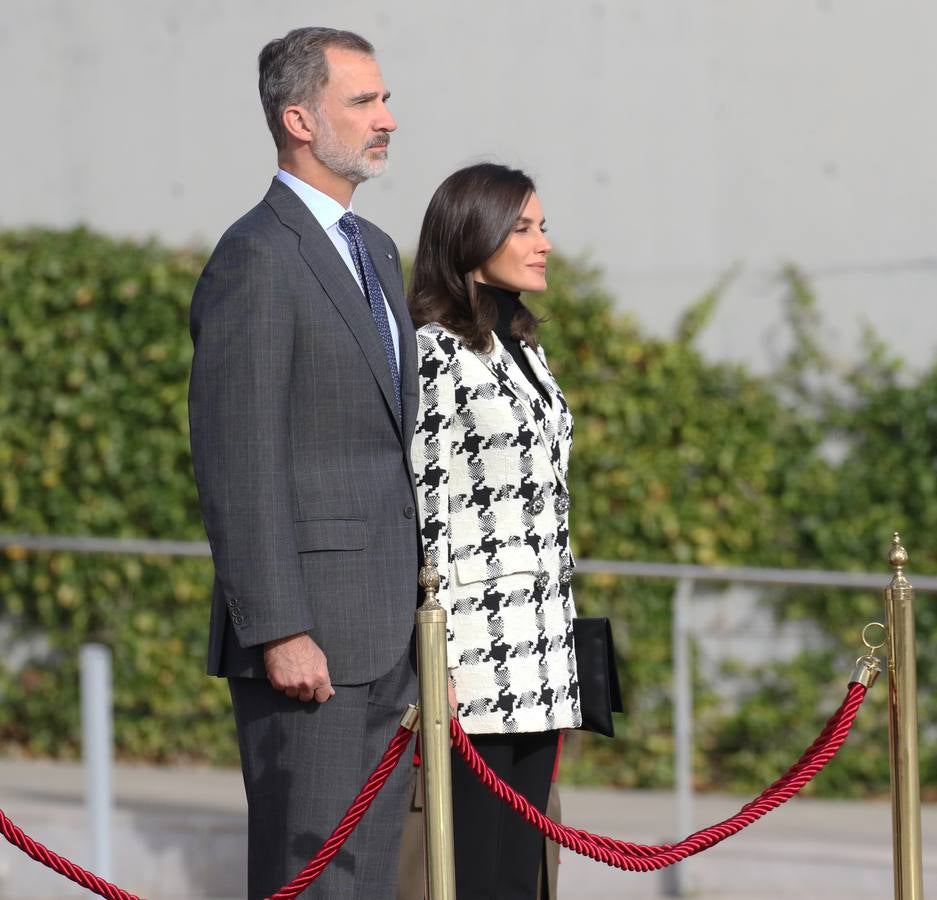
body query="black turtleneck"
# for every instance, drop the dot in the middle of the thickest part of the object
(508, 303)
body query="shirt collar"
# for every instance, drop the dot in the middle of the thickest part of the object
(326, 209)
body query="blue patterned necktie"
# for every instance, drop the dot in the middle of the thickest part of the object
(348, 225)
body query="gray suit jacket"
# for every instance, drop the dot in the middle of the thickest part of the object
(301, 458)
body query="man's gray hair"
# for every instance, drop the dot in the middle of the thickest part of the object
(294, 69)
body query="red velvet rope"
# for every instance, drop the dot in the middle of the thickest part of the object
(612, 852)
(350, 820)
(395, 749)
(649, 857)
(18, 838)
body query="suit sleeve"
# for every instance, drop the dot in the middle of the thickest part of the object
(431, 451)
(239, 417)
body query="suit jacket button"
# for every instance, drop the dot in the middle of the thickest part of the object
(535, 506)
(232, 602)
(566, 574)
(409, 512)
(561, 504)
(541, 581)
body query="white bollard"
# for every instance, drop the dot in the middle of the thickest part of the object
(97, 748)
(676, 878)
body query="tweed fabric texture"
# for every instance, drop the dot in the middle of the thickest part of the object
(490, 459)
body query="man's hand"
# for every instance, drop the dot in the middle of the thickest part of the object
(453, 703)
(297, 666)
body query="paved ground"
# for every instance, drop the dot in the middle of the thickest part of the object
(811, 849)
(179, 833)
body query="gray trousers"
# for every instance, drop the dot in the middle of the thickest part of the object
(303, 765)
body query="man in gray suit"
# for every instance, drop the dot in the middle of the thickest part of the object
(301, 406)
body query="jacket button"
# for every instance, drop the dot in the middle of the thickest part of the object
(566, 573)
(561, 504)
(535, 506)
(409, 512)
(232, 602)
(541, 581)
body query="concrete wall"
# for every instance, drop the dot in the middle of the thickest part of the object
(670, 140)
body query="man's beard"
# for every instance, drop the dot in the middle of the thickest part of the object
(346, 161)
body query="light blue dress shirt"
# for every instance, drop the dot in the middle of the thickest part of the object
(327, 212)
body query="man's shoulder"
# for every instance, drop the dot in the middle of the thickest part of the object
(256, 224)
(268, 220)
(256, 242)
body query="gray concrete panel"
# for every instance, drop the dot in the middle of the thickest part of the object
(670, 140)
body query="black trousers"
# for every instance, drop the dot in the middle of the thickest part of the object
(497, 853)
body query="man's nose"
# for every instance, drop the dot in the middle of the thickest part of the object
(385, 121)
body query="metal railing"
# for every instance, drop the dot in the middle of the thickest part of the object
(685, 577)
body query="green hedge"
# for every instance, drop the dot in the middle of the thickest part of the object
(676, 458)
(93, 441)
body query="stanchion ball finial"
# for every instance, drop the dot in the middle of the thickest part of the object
(898, 556)
(429, 578)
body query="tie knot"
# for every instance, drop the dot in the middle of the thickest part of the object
(349, 224)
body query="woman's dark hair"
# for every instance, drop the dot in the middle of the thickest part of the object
(469, 217)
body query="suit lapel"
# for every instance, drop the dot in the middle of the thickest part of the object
(553, 409)
(389, 277)
(560, 418)
(509, 376)
(338, 283)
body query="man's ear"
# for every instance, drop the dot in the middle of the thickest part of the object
(299, 123)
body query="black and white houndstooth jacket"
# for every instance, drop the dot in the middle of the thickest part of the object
(490, 459)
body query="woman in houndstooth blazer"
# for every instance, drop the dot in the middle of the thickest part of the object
(490, 456)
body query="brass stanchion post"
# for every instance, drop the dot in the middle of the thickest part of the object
(902, 730)
(434, 741)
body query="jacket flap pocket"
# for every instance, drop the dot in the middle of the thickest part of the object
(331, 534)
(507, 561)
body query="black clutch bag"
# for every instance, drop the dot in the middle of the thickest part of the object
(599, 689)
